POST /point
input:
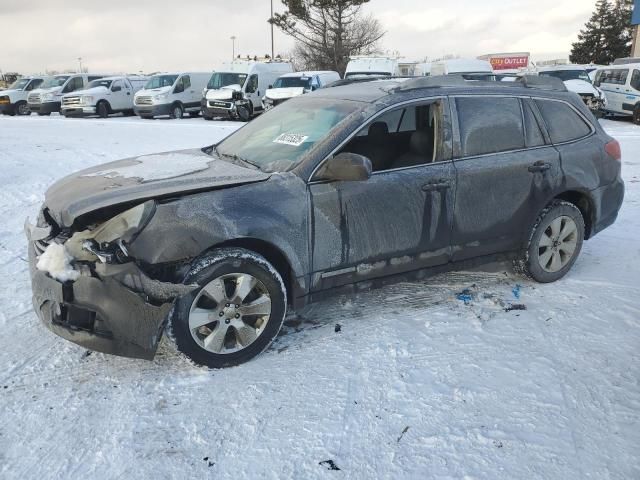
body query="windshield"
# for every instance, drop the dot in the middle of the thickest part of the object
(19, 84)
(297, 82)
(222, 79)
(100, 83)
(160, 81)
(565, 75)
(276, 140)
(56, 81)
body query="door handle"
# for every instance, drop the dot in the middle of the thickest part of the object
(434, 186)
(539, 167)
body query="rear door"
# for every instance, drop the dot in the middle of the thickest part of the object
(506, 171)
(400, 219)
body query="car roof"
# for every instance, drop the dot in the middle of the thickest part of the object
(561, 67)
(306, 73)
(622, 66)
(407, 88)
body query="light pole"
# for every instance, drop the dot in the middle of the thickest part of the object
(80, 63)
(272, 49)
(233, 47)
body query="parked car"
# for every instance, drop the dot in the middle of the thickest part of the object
(235, 90)
(621, 85)
(576, 79)
(48, 97)
(172, 94)
(103, 97)
(293, 84)
(469, 68)
(13, 101)
(359, 66)
(343, 189)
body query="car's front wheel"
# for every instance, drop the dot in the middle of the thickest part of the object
(236, 311)
(555, 242)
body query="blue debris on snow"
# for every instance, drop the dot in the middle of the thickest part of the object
(465, 295)
(516, 291)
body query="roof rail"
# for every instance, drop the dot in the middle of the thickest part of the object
(543, 82)
(432, 81)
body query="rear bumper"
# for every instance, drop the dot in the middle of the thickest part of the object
(608, 200)
(152, 110)
(47, 107)
(115, 309)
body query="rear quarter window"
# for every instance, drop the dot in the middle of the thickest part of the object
(489, 124)
(563, 123)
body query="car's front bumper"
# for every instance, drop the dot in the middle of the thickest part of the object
(152, 110)
(78, 111)
(45, 108)
(110, 308)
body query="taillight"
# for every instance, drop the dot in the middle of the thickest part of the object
(613, 150)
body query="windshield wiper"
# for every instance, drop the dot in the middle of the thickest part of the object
(236, 159)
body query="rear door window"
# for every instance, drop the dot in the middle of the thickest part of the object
(563, 122)
(489, 125)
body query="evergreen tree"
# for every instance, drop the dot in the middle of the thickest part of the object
(607, 34)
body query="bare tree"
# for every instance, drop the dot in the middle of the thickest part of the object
(328, 32)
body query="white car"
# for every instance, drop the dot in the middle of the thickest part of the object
(236, 89)
(48, 97)
(293, 84)
(621, 85)
(576, 79)
(469, 68)
(13, 101)
(360, 66)
(172, 94)
(103, 97)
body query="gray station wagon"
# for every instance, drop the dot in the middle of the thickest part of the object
(340, 190)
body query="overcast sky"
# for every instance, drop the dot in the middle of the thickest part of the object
(151, 35)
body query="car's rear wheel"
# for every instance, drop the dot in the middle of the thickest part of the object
(555, 242)
(235, 313)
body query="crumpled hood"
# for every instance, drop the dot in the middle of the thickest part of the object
(142, 178)
(280, 93)
(223, 93)
(581, 86)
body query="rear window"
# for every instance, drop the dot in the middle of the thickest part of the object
(489, 124)
(563, 123)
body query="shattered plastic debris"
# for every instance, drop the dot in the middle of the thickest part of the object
(516, 291)
(57, 262)
(465, 295)
(329, 464)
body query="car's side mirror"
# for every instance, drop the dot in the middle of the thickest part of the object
(117, 88)
(346, 167)
(270, 87)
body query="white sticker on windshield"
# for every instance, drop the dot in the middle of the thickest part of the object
(294, 139)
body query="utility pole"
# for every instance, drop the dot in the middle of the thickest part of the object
(80, 63)
(233, 47)
(273, 56)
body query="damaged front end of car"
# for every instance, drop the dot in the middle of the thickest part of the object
(87, 288)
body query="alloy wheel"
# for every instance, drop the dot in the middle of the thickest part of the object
(229, 313)
(557, 244)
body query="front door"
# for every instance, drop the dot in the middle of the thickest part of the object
(506, 172)
(400, 219)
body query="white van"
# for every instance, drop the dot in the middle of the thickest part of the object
(235, 90)
(103, 97)
(469, 68)
(172, 94)
(360, 66)
(576, 79)
(293, 84)
(48, 97)
(13, 101)
(621, 86)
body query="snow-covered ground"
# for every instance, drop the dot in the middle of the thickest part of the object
(420, 382)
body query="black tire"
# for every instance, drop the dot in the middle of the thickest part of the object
(102, 109)
(226, 261)
(22, 109)
(243, 113)
(177, 111)
(207, 117)
(636, 115)
(531, 264)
